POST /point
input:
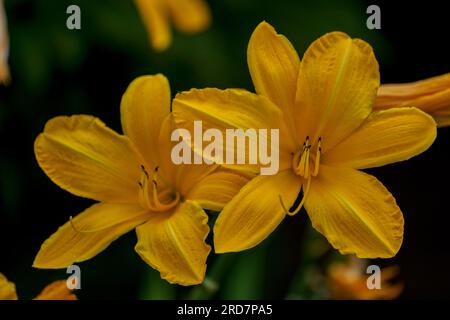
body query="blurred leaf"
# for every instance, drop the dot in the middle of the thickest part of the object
(245, 280)
(10, 186)
(152, 287)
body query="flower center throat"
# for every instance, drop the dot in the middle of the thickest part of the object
(306, 166)
(154, 197)
(302, 161)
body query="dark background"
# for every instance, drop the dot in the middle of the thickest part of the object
(56, 71)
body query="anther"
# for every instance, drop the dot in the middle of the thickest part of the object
(144, 171)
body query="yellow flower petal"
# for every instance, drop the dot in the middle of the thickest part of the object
(430, 95)
(337, 85)
(217, 189)
(145, 104)
(189, 176)
(7, 289)
(167, 167)
(181, 177)
(56, 291)
(348, 284)
(83, 156)
(387, 136)
(174, 243)
(4, 47)
(232, 109)
(442, 117)
(88, 234)
(355, 212)
(274, 66)
(390, 273)
(190, 16)
(155, 16)
(405, 94)
(255, 212)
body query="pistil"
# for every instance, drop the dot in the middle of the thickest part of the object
(302, 167)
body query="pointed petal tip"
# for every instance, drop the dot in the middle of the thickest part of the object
(220, 248)
(40, 262)
(37, 264)
(223, 243)
(264, 24)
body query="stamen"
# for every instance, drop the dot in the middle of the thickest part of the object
(282, 205)
(306, 175)
(158, 203)
(296, 160)
(302, 160)
(144, 171)
(145, 191)
(317, 160)
(303, 166)
(152, 201)
(161, 178)
(293, 211)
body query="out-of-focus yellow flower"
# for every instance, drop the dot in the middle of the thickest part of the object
(430, 95)
(7, 289)
(137, 186)
(189, 16)
(322, 107)
(4, 47)
(348, 281)
(54, 291)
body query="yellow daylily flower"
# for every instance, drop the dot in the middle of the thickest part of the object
(56, 290)
(4, 47)
(323, 109)
(7, 289)
(137, 186)
(431, 95)
(189, 16)
(348, 281)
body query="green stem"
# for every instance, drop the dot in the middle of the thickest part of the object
(211, 284)
(315, 252)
